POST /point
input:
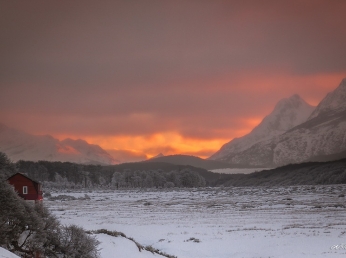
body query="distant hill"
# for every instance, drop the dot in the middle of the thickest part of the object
(165, 166)
(158, 156)
(195, 162)
(310, 173)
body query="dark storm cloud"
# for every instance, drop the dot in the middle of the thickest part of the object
(143, 112)
(133, 42)
(141, 67)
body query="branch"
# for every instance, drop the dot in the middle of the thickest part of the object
(30, 233)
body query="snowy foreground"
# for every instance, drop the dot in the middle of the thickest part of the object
(302, 221)
(6, 254)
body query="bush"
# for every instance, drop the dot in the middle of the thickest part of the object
(75, 243)
(27, 229)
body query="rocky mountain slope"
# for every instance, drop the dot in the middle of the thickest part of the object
(22, 146)
(287, 114)
(333, 103)
(322, 134)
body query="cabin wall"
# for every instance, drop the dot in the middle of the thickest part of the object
(19, 181)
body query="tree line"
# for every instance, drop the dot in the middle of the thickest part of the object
(71, 175)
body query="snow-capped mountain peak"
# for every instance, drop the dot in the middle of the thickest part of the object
(288, 113)
(335, 101)
(322, 135)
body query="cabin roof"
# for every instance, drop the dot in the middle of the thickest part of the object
(23, 176)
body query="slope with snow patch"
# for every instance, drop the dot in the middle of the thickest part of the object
(287, 114)
(323, 134)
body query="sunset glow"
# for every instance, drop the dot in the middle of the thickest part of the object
(163, 77)
(167, 143)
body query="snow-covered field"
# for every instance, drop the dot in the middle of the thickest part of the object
(6, 254)
(304, 221)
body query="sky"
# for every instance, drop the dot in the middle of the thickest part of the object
(141, 77)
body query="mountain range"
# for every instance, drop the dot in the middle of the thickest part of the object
(287, 114)
(294, 132)
(19, 145)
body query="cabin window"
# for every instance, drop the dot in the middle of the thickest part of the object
(25, 190)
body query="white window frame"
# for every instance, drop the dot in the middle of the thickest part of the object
(25, 190)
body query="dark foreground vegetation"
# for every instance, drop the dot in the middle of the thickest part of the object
(30, 230)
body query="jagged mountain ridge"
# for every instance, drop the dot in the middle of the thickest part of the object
(334, 102)
(323, 134)
(288, 113)
(23, 146)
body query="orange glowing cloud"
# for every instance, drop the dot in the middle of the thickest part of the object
(168, 143)
(197, 125)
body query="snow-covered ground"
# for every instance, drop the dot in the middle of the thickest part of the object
(237, 170)
(121, 247)
(6, 254)
(304, 221)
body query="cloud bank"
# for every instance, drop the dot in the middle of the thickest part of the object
(180, 76)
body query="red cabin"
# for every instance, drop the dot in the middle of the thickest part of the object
(26, 188)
